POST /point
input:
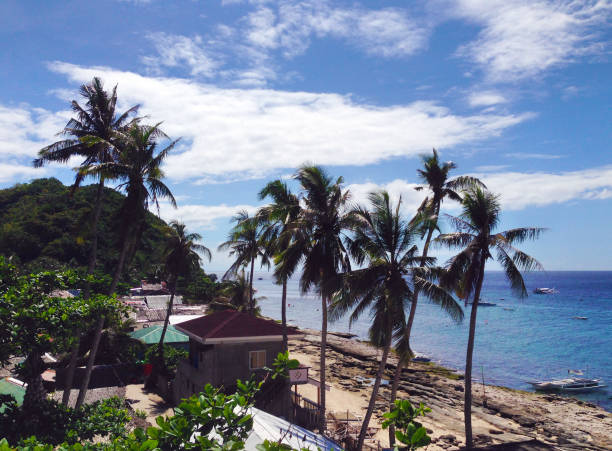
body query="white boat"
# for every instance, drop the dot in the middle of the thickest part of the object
(545, 291)
(575, 384)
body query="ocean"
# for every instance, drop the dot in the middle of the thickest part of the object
(516, 340)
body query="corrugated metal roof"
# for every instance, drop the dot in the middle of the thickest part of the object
(151, 335)
(10, 388)
(233, 324)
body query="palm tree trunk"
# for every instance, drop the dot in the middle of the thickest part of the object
(402, 362)
(284, 315)
(160, 346)
(121, 262)
(372, 403)
(94, 239)
(35, 392)
(90, 362)
(251, 306)
(74, 355)
(322, 421)
(467, 403)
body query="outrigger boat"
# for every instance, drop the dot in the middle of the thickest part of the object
(545, 291)
(570, 384)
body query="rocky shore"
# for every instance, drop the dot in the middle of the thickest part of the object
(500, 415)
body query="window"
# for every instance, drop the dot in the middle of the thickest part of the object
(257, 359)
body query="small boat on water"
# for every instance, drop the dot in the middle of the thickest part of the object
(421, 358)
(571, 384)
(581, 317)
(545, 291)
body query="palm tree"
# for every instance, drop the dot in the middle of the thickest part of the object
(435, 176)
(235, 295)
(384, 241)
(246, 242)
(138, 166)
(98, 120)
(181, 256)
(316, 243)
(280, 215)
(475, 227)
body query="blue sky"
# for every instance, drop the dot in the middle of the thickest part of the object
(515, 92)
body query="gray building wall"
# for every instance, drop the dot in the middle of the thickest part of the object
(219, 365)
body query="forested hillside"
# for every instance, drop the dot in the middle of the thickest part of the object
(45, 226)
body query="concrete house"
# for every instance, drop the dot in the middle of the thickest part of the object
(226, 346)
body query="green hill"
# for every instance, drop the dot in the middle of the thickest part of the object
(43, 226)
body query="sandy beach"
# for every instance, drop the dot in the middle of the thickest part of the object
(500, 415)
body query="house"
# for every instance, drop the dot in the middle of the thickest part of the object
(226, 346)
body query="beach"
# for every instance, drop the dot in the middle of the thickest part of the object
(499, 414)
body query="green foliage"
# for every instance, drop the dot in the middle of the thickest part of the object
(282, 364)
(172, 356)
(54, 423)
(211, 421)
(45, 227)
(408, 431)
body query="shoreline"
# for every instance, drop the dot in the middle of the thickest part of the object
(500, 414)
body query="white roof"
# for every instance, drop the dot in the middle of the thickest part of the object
(272, 428)
(175, 319)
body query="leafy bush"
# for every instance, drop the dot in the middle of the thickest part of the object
(55, 423)
(172, 357)
(409, 432)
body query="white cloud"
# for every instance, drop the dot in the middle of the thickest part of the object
(11, 171)
(522, 190)
(25, 130)
(411, 198)
(486, 98)
(247, 133)
(201, 216)
(518, 190)
(533, 156)
(523, 38)
(491, 167)
(387, 32)
(177, 50)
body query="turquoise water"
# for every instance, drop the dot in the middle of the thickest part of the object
(517, 340)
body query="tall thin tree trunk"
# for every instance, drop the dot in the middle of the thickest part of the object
(120, 263)
(94, 239)
(251, 306)
(284, 315)
(74, 356)
(467, 403)
(160, 349)
(322, 422)
(402, 362)
(90, 362)
(372, 403)
(35, 392)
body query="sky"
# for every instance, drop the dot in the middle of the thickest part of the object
(515, 92)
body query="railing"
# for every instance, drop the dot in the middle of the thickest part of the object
(305, 411)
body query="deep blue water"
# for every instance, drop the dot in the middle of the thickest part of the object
(538, 338)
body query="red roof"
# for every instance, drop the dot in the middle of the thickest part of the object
(232, 324)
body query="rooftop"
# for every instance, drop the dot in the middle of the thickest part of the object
(231, 325)
(151, 335)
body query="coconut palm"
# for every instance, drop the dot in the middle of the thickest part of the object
(317, 244)
(97, 119)
(435, 178)
(246, 243)
(280, 215)
(383, 243)
(476, 236)
(235, 295)
(138, 167)
(181, 256)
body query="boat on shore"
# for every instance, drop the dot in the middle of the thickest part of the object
(545, 291)
(570, 384)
